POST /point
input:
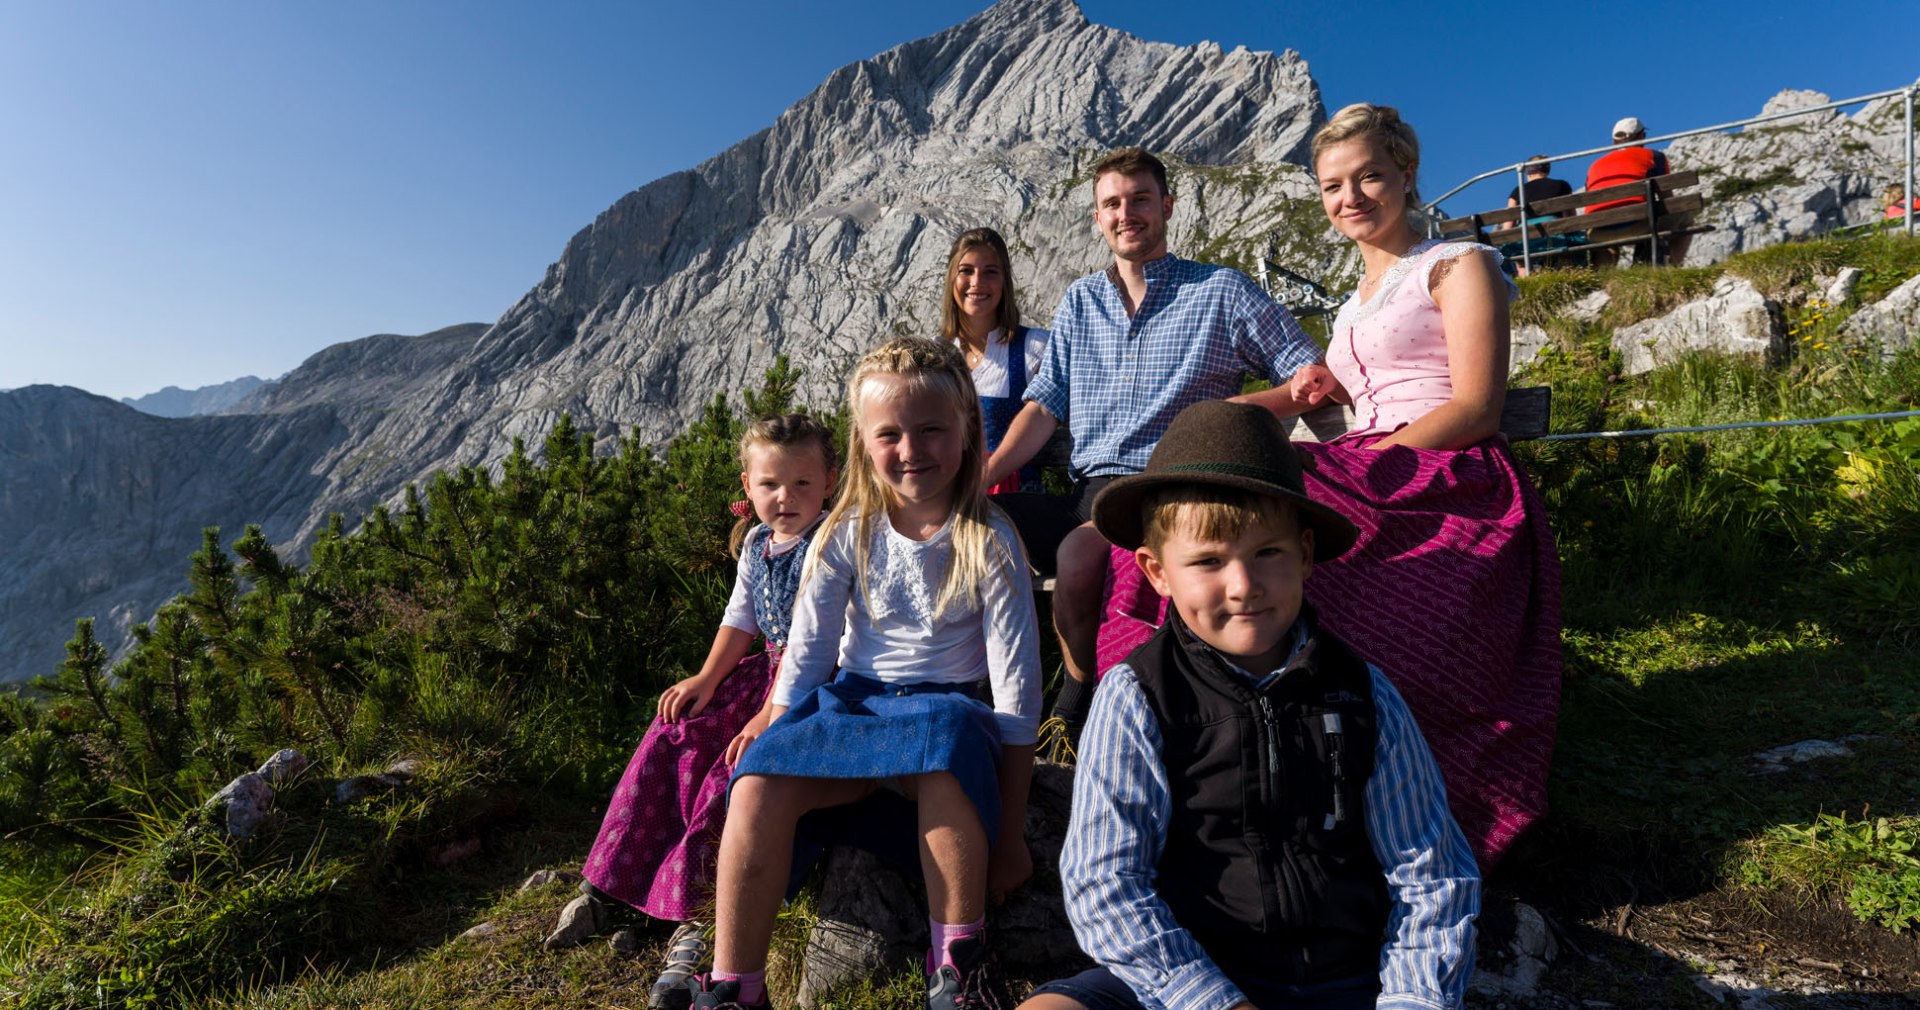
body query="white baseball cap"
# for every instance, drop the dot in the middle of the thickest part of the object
(1629, 127)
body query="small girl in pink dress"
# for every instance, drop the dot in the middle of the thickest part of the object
(659, 841)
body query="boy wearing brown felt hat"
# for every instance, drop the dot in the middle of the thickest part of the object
(1251, 794)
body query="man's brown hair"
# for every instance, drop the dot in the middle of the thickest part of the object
(1132, 161)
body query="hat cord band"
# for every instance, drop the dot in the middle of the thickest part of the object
(1259, 473)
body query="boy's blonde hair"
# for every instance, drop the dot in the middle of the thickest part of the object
(1210, 513)
(976, 553)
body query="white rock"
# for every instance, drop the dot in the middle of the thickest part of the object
(246, 799)
(1588, 307)
(1842, 286)
(1735, 319)
(541, 878)
(483, 931)
(1890, 322)
(1794, 177)
(1777, 759)
(284, 765)
(1525, 345)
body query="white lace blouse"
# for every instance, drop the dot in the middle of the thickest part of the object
(892, 635)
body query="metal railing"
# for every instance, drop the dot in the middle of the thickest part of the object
(1519, 169)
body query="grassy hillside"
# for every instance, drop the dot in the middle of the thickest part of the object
(1725, 594)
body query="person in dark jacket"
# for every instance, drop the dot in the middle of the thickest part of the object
(1256, 820)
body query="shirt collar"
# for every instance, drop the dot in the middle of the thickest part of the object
(1297, 640)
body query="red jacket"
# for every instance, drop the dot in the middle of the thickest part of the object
(1629, 164)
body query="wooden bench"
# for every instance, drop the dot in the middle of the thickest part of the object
(1663, 212)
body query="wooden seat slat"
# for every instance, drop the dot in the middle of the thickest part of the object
(1632, 214)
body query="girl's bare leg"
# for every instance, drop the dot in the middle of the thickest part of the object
(756, 855)
(953, 849)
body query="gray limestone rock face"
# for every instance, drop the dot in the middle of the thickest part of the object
(814, 238)
(1793, 177)
(1889, 323)
(1735, 319)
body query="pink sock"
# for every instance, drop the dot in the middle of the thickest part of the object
(753, 984)
(943, 937)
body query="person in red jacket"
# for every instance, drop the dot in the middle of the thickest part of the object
(1629, 164)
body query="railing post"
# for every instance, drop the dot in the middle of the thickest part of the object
(1910, 194)
(1526, 248)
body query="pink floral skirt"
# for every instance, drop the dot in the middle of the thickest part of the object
(1453, 590)
(660, 840)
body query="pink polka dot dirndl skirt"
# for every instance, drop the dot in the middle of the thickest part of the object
(660, 840)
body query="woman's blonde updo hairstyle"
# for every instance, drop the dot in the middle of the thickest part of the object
(1381, 124)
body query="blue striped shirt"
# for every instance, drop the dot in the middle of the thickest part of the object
(1116, 381)
(1121, 806)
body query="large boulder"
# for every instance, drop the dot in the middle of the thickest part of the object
(1735, 319)
(1889, 322)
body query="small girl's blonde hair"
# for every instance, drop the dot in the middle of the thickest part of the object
(1381, 124)
(976, 553)
(785, 431)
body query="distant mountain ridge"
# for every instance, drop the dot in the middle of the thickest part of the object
(172, 401)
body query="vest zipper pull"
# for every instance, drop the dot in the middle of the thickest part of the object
(1330, 722)
(1273, 730)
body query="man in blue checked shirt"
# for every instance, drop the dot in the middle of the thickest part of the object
(1132, 346)
(1257, 821)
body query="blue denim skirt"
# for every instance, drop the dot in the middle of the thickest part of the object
(857, 727)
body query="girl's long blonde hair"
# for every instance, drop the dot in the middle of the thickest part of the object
(976, 553)
(1382, 125)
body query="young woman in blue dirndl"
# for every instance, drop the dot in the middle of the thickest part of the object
(981, 315)
(917, 591)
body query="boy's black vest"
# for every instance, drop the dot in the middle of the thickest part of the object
(1267, 861)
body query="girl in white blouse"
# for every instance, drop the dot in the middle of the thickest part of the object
(916, 591)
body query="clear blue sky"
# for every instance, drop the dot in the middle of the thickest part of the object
(196, 190)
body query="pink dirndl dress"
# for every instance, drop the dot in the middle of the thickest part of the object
(660, 840)
(1453, 587)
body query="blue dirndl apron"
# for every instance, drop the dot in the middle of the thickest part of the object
(859, 727)
(997, 412)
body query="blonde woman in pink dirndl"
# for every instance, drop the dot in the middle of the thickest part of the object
(1454, 584)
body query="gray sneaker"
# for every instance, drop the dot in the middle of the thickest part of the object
(720, 996)
(970, 982)
(686, 952)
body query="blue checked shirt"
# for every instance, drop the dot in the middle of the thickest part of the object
(1121, 805)
(1116, 381)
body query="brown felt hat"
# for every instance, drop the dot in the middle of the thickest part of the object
(1221, 444)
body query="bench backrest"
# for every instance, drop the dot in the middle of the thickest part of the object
(1505, 221)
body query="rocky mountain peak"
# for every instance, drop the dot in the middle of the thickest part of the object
(811, 238)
